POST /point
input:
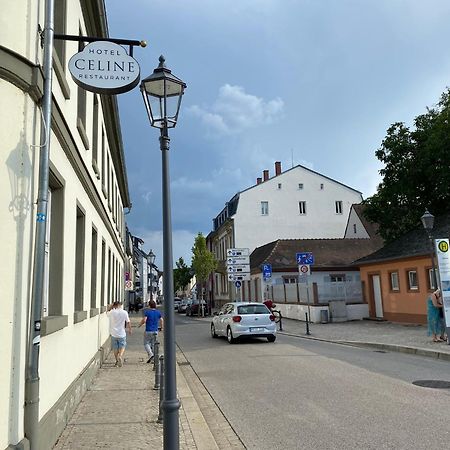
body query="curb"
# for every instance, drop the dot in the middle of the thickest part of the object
(389, 347)
(203, 438)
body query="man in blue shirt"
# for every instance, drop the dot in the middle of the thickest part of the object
(153, 321)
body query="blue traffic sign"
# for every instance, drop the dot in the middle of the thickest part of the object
(304, 258)
(267, 270)
(238, 284)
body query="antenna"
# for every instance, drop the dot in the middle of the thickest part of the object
(292, 157)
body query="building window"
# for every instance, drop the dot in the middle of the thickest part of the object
(302, 208)
(95, 137)
(102, 287)
(279, 185)
(81, 106)
(354, 228)
(265, 208)
(394, 281)
(300, 185)
(104, 158)
(431, 283)
(94, 269)
(337, 278)
(338, 207)
(413, 283)
(289, 280)
(321, 185)
(60, 28)
(79, 259)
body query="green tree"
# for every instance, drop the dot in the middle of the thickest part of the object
(416, 173)
(181, 275)
(203, 262)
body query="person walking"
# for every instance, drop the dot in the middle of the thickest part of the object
(153, 322)
(118, 320)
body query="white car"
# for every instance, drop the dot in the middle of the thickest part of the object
(240, 319)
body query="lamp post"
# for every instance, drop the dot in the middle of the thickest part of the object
(151, 260)
(428, 223)
(162, 93)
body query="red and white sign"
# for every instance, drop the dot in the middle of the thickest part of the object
(304, 269)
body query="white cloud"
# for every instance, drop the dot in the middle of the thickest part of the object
(192, 185)
(235, 111)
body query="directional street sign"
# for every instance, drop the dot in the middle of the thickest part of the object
(232, 260)
(238, 252)
(239, 277)
(304, 258)
(238, 268)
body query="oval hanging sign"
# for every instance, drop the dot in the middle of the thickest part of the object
(104, 67)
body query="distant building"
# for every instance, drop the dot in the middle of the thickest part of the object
(296, 204)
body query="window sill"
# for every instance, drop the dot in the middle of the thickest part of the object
(102, 309)
(51, 324)
(83, 134)
(79, 316)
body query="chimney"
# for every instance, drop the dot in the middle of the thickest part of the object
(265, 175)
(258, 180)
(278, 168)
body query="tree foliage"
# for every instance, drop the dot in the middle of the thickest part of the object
(416, 173)
(203, 261)
(181, 275)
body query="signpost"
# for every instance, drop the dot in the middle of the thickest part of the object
(304, 261)
(443, 257)
(238, 266)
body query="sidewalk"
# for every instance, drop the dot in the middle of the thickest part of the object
(120, 409)
(405, 338)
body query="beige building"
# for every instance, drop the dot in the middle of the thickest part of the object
(88, 191)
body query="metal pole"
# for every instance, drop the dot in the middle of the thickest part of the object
(433, 265)
(161, 388)
(171, 404)
(31, 411)
(156, 368)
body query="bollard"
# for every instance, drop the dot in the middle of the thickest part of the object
(307, 324)
(156, 357)
(161, 388)
(156, 368)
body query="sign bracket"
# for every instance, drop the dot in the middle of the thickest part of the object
(129, 42)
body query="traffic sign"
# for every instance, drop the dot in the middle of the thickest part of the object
(304, 269)
(238, 252)
(239, 277)
(238, 268)
(238, 284)
(238, 260)
(304, 258)
(267, 271)
(129, 285)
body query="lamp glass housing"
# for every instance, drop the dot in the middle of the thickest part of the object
(162, 93)
(427, 220)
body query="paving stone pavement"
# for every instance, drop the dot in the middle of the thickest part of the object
(120, 409)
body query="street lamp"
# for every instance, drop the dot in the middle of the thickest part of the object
(428, 223)
(162, 93)
(151, 260)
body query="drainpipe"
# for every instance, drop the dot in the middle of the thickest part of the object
(31, 412)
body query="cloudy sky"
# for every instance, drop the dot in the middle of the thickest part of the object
(311, 82)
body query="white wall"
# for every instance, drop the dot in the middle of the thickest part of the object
(354, 222)
(284, 221)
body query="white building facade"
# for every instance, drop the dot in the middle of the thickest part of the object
(85, 250)
(296, 204)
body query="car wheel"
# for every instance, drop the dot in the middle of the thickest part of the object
(213, 331)
(271, 338)
(230, 337)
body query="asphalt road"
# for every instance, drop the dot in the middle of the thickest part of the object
(300, 394)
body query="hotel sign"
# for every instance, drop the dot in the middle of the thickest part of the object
(104, 67)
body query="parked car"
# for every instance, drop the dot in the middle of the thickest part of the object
(244, 319)
(176, 303)
(193, 308)
(183, 305)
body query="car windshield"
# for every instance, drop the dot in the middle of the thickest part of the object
(253, 309)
